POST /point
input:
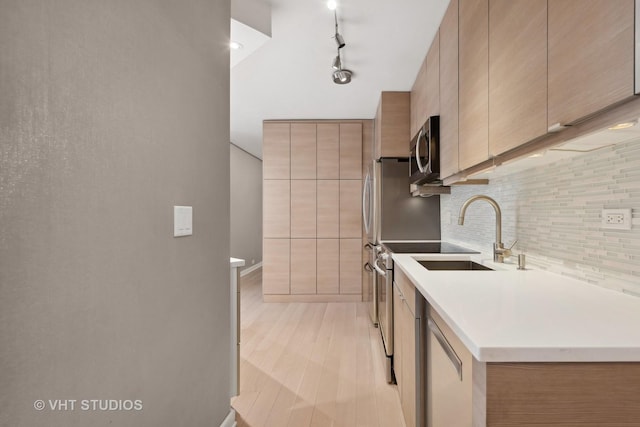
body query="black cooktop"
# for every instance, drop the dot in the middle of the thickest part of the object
(426, 248)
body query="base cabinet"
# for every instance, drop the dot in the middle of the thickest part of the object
(463, 392)
(408, 348)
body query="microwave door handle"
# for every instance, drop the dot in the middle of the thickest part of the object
(420, 167)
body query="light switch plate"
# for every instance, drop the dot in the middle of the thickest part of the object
(182, 221)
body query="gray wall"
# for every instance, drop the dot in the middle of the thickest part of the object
(246, 206)
(555, 211)
(111, 112)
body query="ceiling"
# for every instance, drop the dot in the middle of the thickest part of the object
(289, 75)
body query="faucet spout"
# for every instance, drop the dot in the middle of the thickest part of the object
(499, 252)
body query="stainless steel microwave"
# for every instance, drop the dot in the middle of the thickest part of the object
(424, 164)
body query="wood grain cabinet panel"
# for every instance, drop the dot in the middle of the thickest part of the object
(303, 208)
(303, 151)
(591, 56)
(350, 268)
(275, 266)
(328, 272)
(303, 266)
(433, 78)
(350, 150)
(517, 73)
(449, 91)
(350, 208)
(328, 210)
(328, 151)
(419, 100)
(276, 150)
(473, 82)
(392, 125)
(276, 208)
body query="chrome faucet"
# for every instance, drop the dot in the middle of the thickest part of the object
(499, 251)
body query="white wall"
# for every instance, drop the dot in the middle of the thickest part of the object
(246, 207)
(111, 112)
(555, 211)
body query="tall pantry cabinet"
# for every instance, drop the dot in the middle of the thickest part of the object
(312, 224)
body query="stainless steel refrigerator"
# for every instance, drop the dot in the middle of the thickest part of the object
(390, 212)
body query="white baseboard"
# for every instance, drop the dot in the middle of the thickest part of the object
(230, 420)
(250, 269)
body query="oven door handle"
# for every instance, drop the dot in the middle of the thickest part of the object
(380, 271)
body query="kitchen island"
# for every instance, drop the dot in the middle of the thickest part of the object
(527, 348)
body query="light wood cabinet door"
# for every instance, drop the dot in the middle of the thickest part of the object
(474, 82)
(433, 78)
(517, 73)
(276, 150)
(408, 364)
(393, 125)
(350, 268)
(303, 266)
(449, 394)
(397, 339)
(350, 150)
(350, 208)
(303, 208)
(449, 91)
(276, 208)
(419, 100)
(328, 266)
(328, 210)
(591, 56)
(275, 266)
(328, 142)
(303, 151)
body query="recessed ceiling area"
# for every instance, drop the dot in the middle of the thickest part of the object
(290, 75)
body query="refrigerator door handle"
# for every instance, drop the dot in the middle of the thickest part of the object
(366, 210)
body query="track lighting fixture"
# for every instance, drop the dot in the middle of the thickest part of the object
(340, 75)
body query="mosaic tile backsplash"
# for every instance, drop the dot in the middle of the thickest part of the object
(554, 211)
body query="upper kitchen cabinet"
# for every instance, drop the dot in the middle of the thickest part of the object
(517, 72)
(419, 100)
(328, 150)
(473, 82)
(591, 57)
(448, 80)
(303, 151)
(276, 151)
(425, 94)
(392, 125)
(350, 151)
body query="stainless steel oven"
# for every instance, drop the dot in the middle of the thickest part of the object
(384, 284)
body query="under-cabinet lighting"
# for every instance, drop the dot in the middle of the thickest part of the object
(235, 45)
(625, 125)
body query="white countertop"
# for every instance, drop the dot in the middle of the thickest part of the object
(530, 315)
(236, 262)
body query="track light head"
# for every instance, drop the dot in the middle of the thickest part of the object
(340, 41)
(342, 77)
(337, 64)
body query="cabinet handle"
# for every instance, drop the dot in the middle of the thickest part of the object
(368, 268)
(449, 351)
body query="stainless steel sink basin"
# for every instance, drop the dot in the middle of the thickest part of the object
(453, 265)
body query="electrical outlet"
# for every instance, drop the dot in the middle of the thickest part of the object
(616, 219)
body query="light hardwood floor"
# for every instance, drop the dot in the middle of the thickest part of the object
(311, 364)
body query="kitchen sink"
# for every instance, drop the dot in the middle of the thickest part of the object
(454, 265)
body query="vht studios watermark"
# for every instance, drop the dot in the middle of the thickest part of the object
(88, 405)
